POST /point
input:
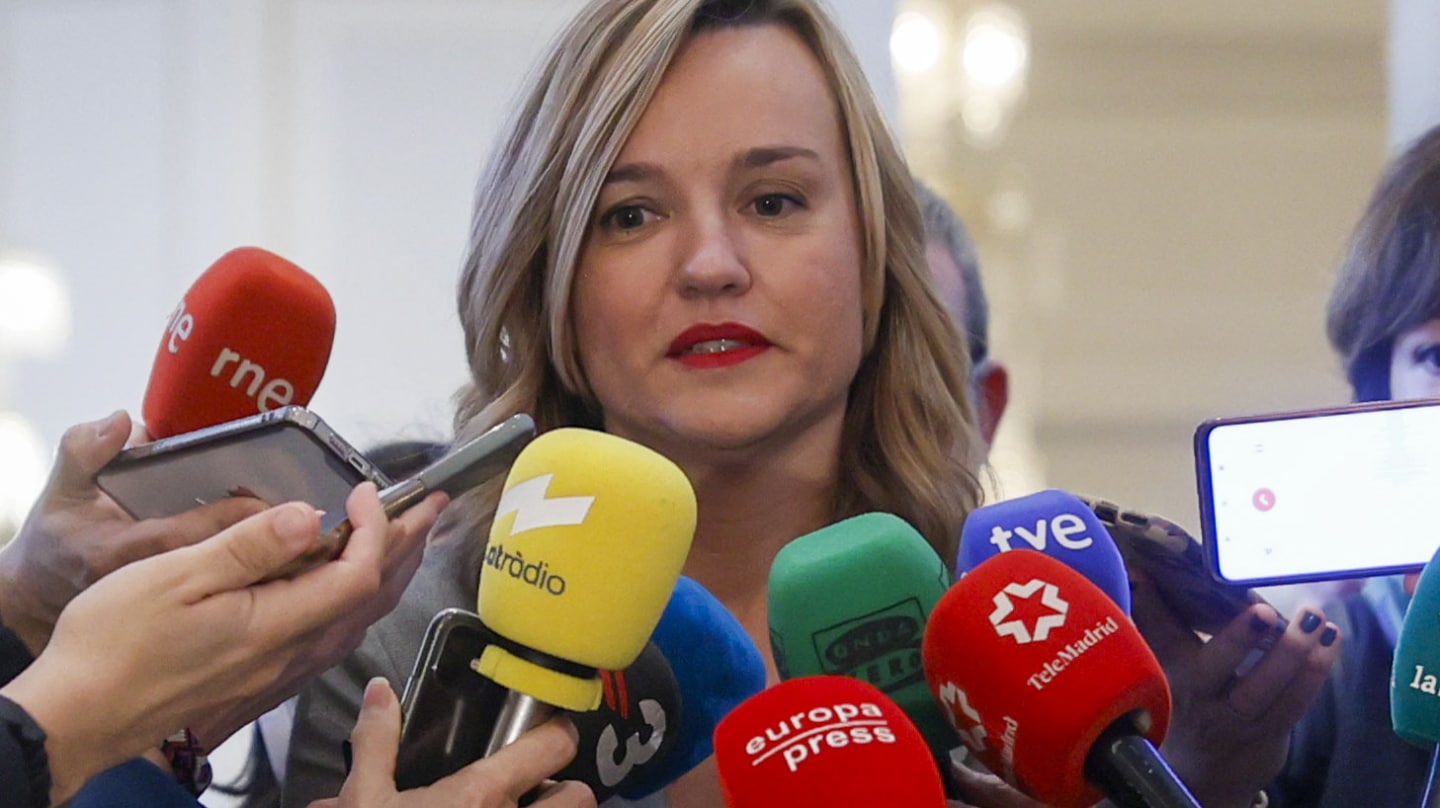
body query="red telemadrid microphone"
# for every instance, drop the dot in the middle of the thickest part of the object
(253, 333)
(824, 742)
(1050, 684)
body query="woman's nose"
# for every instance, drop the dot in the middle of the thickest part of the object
(713, 263)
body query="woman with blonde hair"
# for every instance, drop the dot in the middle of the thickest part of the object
(696, 233)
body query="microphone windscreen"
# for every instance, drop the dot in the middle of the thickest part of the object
(1032, 662)
(635, 729)
(717, 667)
(824, 742)
(588, 540)
(252, 334)
(851, 599)
(1056, 523)
(1414, 695)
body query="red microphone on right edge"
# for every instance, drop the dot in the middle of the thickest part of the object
(1051, 686)
(253, 333)
(824, 742)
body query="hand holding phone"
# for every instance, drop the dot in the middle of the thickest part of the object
(1173, 560)
(456, 472)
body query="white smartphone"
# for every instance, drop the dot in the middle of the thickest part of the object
(1326, 494)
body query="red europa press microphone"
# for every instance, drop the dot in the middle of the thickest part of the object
(1040, 672)
(824, 742)
(253, 333)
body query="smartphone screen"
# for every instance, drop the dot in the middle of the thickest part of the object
(1320, 495)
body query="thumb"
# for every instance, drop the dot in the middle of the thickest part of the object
(248, 551)
(375, 742)
(84, 448)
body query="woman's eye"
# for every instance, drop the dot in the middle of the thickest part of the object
(1429, 356)
(625, 217)
(772, 205)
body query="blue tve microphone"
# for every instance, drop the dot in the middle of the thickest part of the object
(1055, 523)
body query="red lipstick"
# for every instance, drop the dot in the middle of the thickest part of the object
(704, 346)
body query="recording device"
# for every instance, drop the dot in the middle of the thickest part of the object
(286, 455)
(851, 599)
(587, 543)
(1324, 494)
(633, 729)
(716, 666)
(1052, 522)
(654, 724)
(448, 711)
(283, 455)
(824, 742)
(456, 472)
(1051, 686)
(251, 335)
(1415, 676)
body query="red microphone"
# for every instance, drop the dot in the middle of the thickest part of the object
(1050, 684)
(253, 333)
(824, 742)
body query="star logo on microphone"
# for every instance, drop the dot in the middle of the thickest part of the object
(1049, 598)
(534, 510)
(960, 711)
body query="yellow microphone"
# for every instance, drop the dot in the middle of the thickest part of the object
(588, 541)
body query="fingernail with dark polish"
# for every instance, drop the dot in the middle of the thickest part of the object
(1327, 637)
(1258, 624)
(1310, 622)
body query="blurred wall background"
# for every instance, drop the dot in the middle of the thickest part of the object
(1160, 198)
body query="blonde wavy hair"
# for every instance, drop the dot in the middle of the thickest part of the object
(910, 446)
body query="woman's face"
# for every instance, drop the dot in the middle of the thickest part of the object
(1415, 362)
(717, 302)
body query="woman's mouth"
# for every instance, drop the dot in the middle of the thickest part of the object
(708, 346)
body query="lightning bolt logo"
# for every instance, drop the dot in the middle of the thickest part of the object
(1049, 597)
(533, 509)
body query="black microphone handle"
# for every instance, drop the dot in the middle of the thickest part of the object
(1432, 793)
(1131, 772)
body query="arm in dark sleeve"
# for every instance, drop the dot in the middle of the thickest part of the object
(24, 766)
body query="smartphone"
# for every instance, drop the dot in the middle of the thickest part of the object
(277, 456)
(448, 709)
(291, 454)
(454, 473)
(1318, 495)
(1174, 560)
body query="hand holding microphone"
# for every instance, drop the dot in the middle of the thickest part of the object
(1230, 730)
(499, 780)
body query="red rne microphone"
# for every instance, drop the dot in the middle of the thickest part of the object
(824, 742)
(253, 333)
(1032, 663)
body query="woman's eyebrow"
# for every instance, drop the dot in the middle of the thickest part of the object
(632, 172)
(762, 156)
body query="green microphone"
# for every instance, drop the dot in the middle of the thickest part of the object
(1415, 677)
(851, 599)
